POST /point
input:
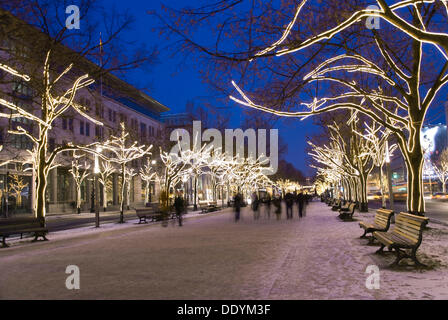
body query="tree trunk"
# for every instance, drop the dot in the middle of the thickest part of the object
(195, 205)
(383, 197)
(41, 180)
(363, 206)
(123, 193)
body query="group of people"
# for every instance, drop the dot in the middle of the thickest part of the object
(300, 199)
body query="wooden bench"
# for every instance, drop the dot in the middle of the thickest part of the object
(381, 223)
(12, 226)
(407, 234)
(348, 214)
(208, 206)
(337, 205)
(345, 207)
(151, 212)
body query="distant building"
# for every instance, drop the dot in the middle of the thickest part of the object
(116, 102)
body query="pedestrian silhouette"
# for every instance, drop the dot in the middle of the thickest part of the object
(278, 207)
(237, 203)
(179, 206)
(289, 200)
(255, 206)
(300, 203)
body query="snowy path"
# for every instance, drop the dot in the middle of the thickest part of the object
(317, 257)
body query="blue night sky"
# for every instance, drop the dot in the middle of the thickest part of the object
(174, 81)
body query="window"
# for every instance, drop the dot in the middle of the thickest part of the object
(114, 117)
(110, 115)
(64, 123)
(81, 127)
(21, 89)
(98, 132)
(99, 111)
(86, 103)
(70, 124)
(87, 129)
(123, 118)
(21, 142)
(143, 131)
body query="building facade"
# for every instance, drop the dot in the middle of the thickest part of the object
(110, 101)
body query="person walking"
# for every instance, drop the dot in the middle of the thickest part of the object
(179, 206)
(255, 206)
(278, 207)
(300, 203)
(289, 200)
(237, 203)
(268, 205)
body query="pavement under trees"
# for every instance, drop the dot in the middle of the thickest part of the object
(212, 257)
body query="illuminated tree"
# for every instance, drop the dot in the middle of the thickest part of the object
(402, 99)
(106, 170)
(17, 185)
(54, 103)
(79, 177)
(147, 174)
(172, 174)
(121, 151)
(129, 177)
(351, 156)
(379, 150)
(440, 167)
(195, 161)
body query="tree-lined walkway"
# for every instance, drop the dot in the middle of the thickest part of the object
(212, 257)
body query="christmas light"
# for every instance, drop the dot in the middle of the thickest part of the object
(120, 151)
(53, 105)
(389, 111)
(79, 177)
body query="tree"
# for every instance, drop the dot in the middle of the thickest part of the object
(195, 160)
(79, 177)
(400, 107)
(441, 168)
(172, 174)
(129, 177)
(380, 150)
(351, 157)
(55, 102)
(121, 151)
(147, 174)
(17, 185)
(106, 169)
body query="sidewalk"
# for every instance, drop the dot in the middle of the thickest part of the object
(315, 257)
(68, 225)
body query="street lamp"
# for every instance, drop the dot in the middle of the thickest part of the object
(96, 171)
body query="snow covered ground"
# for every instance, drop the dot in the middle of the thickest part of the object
(212, 257)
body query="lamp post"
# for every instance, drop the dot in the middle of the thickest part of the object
(96, 172)
(389, 178)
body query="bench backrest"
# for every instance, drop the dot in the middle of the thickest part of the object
(383, 217)
(352, 207)
(20, 223)
(410, 226)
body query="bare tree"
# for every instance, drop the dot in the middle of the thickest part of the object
(121, 151)
(79, 177)
(440, 167)
(398, 104)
